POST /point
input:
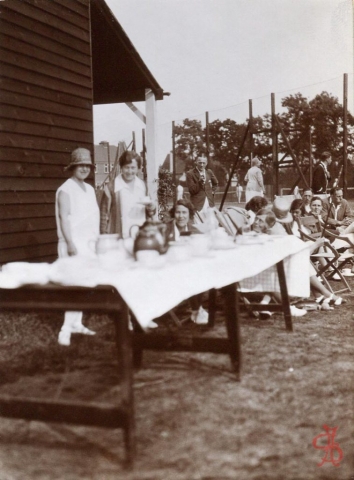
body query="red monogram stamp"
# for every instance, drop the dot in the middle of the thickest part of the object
(333, 452)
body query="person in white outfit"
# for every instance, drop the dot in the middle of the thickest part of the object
(129, 204)
(130, 193)
(254, 179)
(126, 203)
(77, 218)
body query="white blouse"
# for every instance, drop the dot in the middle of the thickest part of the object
(132, 213)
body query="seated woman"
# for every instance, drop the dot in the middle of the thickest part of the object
(264, 221)
(296, 210)
(182, 214)
(320, 292)
(283, 217)
(254, 205)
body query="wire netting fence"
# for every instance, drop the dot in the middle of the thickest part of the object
(310, 120)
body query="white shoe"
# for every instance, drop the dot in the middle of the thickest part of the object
(152, 324)
(297, 312)
(201, 317)
(82, 329)
(64, 337)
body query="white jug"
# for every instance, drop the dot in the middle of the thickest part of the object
(105, 243)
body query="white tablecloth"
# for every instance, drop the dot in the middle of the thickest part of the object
(150, 292)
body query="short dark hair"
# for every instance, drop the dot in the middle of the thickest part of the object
(185, 203)
(127, 157)
(307, 190)
(325, 155)
(256, 203)
(335, 189)
(296, 204)
(313, 199)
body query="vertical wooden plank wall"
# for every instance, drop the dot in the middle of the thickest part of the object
(45, 112)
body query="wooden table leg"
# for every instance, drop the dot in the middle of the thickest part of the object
(212, 307)
(284, 296)
(231, 302)
(124, 349)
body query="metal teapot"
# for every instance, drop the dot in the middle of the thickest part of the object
(150, 236)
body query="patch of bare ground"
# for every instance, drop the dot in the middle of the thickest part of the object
(194, 421)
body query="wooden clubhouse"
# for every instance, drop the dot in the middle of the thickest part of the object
(58, 59)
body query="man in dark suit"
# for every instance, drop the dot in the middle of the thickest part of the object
(337, 211)
(201, 184)
(321, 175)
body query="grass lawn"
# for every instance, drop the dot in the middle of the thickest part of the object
(193, 420)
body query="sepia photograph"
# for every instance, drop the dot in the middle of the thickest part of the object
(177, 240)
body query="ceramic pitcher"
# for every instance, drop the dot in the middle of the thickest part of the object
(105, 243)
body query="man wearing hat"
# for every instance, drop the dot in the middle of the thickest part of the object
(321, 175)
(77, 218)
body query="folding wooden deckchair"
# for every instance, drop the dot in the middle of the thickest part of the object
(327, 261)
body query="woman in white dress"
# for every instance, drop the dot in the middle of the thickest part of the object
(77, 218)
(126, 202)
(254, 179)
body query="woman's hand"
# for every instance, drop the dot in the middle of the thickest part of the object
(71, 249)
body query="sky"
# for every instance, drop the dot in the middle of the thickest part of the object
(215, 55)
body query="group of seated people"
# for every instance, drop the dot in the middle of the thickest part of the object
(280, 218)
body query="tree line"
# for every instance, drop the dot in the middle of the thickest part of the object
(322, 116)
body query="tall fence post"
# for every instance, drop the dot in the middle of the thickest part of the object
(207, 135)
(250, 115)
(144, 155)
(174, 163)
(310, 156)
(345, 133)
(274, 149)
